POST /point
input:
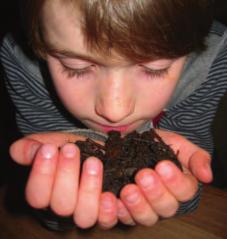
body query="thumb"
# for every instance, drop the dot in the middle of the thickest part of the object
(24, 150)
(199, 165)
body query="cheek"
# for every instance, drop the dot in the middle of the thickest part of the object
(154, 94)
(73, 93)
(152, 101)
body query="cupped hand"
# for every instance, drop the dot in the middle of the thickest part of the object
(54, 181)
(57, 180)
(158, 192)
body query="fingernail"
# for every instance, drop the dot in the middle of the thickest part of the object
(121, 212)
(107, 204)
(207, 166)
(131, 223)
(33, 150)
(69, 150)
(165, 170)
(133, 197)
(147, 181)
(48, 151)
(92, 166)
(208, 172)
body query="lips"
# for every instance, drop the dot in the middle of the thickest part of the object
(121, 129)
(124, 128)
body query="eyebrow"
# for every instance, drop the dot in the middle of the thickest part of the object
(70, 54)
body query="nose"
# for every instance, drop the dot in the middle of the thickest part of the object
(115, 100)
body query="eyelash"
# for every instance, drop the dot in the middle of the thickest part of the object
(79, 73)
(154, 74)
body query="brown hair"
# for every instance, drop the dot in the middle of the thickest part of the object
(137, 29)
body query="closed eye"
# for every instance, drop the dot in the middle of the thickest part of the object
(78, 73)
(155, 73)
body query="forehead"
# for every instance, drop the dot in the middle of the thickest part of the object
(62, 23)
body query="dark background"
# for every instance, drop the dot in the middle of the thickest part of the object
(9, 21)
(8, 132)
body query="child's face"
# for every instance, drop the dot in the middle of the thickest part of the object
(104, 93)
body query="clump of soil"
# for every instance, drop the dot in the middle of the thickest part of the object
(122, 157)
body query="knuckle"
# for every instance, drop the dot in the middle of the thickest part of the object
(62, 208)
(107, 224)
(190, 190)
(36, 201)
(148, 221)
(92, 187)
(170, 210)
(84, 222)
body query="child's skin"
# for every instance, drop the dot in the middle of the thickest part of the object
(105, 93)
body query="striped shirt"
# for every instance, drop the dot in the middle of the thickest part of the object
(190, 112)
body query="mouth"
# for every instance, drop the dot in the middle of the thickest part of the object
(123, 129)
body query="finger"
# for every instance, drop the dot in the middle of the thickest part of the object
(107, 210)
(138, 207)
(182, 186)
(41, 178)
(161, 200)
(23, 151)
(87, 208)
(63, 200)
(199, 164)
(56, 138)
(190, 155)
(123, 214)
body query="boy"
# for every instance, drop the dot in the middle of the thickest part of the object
(116, 65)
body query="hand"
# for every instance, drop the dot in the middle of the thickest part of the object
(158, 192)
(54, 179)
(111, 209)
